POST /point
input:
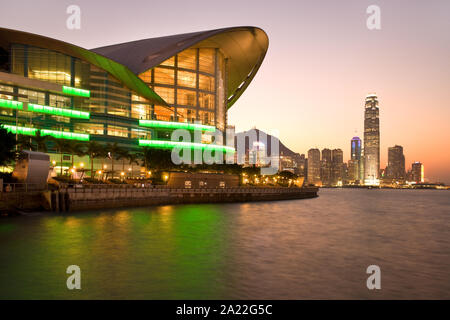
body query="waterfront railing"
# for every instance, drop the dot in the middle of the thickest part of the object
(22, 187)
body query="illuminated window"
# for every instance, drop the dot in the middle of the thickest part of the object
(140, 134)
(6, 88)
(6, 97)
(169, 62)
(117, 131)
(6, 111)
(206, 117)
(135, 97)
(32, 96)
(206, 60)
(186, 97)
(164, 76)
(118, 109)
(96, 108)
(183, 92)
(206, 100)
(59, 101)
(186, 115)
(206, 83)
(140, 111)
(167, 94)
(187, 59)
(18, 59)
(187, 79)
(146, 76)
(163, 113)
(48, 65)
(91, 128)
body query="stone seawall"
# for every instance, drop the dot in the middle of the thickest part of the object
(15, 202)
(75, 199)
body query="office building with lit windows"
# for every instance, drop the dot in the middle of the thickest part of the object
(356, 167)
(314, 167)
(417, 172)
(326, 167)
(134, 93)
(395, 169)
(371, 141)
(338, 166)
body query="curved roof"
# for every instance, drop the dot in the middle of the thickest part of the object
(244, 47)
(118, 70)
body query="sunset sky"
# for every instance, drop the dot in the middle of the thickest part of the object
(321, 63)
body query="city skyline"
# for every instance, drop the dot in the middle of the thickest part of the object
(316, 85)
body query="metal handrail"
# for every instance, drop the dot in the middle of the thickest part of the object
(11, 187)
(156, 189)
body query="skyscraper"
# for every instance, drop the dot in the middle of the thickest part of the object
(353, 171)
(356, 169)
(356, 148)
(337, 166)
(417, 172)
(314, 166)
(395, 169)
(371, 140)
(325, 170)
(326, 155)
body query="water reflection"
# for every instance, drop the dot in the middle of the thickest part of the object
(316, 248)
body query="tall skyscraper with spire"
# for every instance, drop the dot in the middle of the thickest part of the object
(371, 140)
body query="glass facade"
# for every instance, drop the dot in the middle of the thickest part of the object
(59, 90)
(192, 83)
(48, 65)
(91, 104)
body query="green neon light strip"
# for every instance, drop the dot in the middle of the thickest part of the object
(76, 91)
(11, 104)
(180, 144)
(46, 132)
(20, 130)
(175, 125)
(65, 135)
(58, 111)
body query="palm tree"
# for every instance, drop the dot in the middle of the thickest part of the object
(113, 152)
(7, 144)
(145, 156)
(133, 158)
(159, 159)
(62, 147)
(75, 149)
(40, 141)
(24, 143)
(123, 155)
(94, 150)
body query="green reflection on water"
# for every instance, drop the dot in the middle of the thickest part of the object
(145, 253)
(7, 227)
